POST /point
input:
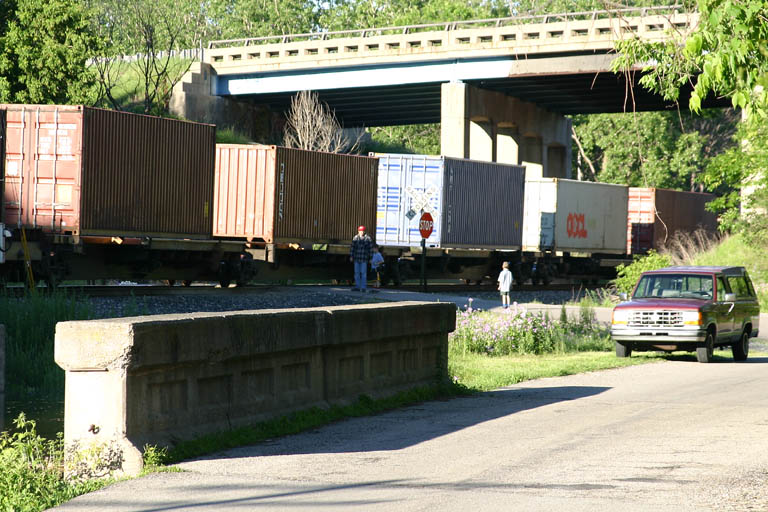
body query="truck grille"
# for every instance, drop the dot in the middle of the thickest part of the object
(656, 319)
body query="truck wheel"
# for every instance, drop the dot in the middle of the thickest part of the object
(740, 349)
(623, 349)
(705, 350)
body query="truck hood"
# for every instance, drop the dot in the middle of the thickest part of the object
(658, 303)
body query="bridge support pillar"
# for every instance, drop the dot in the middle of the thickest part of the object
(491, 126)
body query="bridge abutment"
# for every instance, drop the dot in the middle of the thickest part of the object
(491, 126)
(193, 98)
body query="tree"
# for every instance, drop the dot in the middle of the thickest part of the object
(652, 149)
(726, 55)
(312, 125)
(45, 51)
(139, 38)
(255, 18)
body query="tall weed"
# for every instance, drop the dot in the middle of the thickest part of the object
(30, 323)
(32, 471)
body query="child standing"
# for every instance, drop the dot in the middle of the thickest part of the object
(377, 262)
(505, 283)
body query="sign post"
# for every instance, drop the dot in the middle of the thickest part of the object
(426, 224)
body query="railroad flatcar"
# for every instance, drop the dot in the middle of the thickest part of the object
(91, 193)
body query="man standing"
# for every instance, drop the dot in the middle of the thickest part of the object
(360, 255)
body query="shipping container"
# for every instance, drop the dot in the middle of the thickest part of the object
(574, 216)
(656, 215)
(276, 195)
(2, 165)
(88, 171)
(477, 205)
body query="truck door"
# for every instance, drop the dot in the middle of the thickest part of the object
(725, 311)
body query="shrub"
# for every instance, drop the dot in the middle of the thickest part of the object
(32, 471)
(628, 275)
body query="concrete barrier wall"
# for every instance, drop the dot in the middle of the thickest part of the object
(157, 379)
(2, 377)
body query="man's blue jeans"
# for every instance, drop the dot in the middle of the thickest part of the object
(361, 270)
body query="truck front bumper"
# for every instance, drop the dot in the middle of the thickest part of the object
(658, 336)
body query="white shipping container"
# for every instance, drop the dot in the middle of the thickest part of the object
(574, 216)
(408, 185)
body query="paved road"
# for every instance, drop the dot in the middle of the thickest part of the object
(673, 436)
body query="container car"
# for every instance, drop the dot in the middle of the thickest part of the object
(656, 215)
(574, 216)
(282, 195)
(474, 204)
(107, 194)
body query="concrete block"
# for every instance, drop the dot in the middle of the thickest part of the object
(159, 379)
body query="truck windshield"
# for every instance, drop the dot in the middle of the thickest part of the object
(675, 286)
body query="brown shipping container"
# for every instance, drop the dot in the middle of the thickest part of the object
(482, 204)
(89, 171)
(656, 215)
(2, 165)
(277, 194)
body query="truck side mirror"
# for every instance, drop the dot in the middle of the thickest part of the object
(623, 296)
(730, 297)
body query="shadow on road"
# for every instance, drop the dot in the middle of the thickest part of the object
(416, 424)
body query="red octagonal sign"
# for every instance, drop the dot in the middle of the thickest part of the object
(425, 225)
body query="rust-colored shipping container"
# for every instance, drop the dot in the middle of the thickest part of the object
(2, 162)
(277, 195)
(88, 171)
(656, 215)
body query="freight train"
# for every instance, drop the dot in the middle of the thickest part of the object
(93, 194)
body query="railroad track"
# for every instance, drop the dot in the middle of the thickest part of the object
(205, 289)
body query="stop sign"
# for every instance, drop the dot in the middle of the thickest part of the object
(425, 225)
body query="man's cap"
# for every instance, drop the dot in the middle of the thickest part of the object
(361, 228)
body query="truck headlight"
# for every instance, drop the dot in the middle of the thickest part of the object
(620, 316)
(691, 317)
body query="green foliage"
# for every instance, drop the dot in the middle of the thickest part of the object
(743, 164)
(30, 323)
(255, 18)
(348, 14)
(422, 139)
(652, 149)
(32, 471)
(726, 55)
(230, 136)
(44, 51)
(628, 275)
(734, 250)
(150, 30)
(154, 456)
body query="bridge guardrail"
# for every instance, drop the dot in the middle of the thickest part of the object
(448, 41)
(447, 26)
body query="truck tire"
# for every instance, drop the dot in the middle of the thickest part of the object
(705, 351)
(740, 349)
(624, 349)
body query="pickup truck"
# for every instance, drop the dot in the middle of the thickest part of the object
(688, 308)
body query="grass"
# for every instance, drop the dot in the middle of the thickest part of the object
(734, 251)
(30, 324)
(483, 373)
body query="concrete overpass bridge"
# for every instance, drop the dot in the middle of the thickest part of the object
(500, 88)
